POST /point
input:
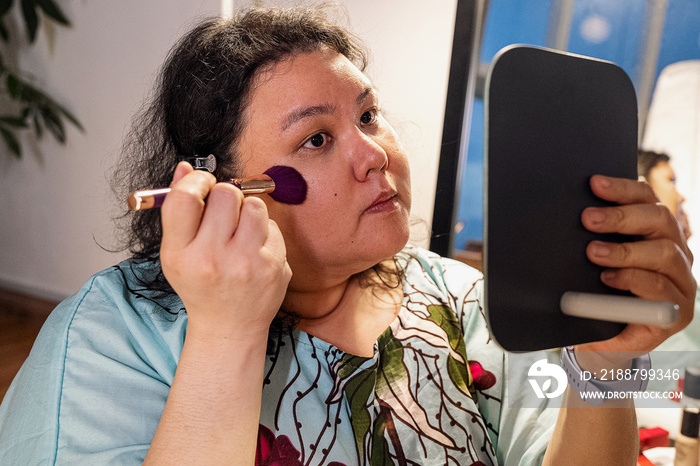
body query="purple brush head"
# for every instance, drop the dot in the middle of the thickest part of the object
(290, 187)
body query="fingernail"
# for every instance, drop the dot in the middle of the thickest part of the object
(596, 216)
(600, 250)
(604, 182)
(607, 275)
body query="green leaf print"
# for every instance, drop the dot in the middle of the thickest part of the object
(458, 370)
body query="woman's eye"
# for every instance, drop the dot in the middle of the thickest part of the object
(317, 140)
(368, 117)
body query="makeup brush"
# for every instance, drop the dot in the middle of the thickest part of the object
(283, 184)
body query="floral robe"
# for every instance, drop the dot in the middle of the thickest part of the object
(434, 393)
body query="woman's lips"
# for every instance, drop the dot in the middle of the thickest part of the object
(384, 202)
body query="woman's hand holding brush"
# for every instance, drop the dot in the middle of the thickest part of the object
(227, 261)
(224, 257)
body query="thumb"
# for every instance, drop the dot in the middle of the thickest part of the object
(182, 169)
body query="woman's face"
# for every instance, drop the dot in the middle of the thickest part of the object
(316, 112)
(663, 181)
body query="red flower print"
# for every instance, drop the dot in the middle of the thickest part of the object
(482, 378)
(277, 451)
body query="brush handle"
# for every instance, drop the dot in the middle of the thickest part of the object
(147, 198)
(153, 198)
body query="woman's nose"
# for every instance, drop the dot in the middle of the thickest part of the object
(681, 198)
(367, 155)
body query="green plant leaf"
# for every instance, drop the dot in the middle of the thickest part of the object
(35, 99)
(53, 123)
(22, 91)
(37, 110)
(4, 33)
(5, 6)
(38, 128)
(17, 122)
(70, 117)
(31, 19)
(13, 85)
(53, 11)
(11, 142)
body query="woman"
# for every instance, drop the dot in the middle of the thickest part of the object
(655, 168)
(389, 361)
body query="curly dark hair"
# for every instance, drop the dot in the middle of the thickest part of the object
(198, 106)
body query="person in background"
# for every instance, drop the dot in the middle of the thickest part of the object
(684, 347)
(655, 168)
(251, 331)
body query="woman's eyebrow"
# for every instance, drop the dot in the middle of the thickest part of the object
(363, 95)
(299, 114)
(324, 109)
